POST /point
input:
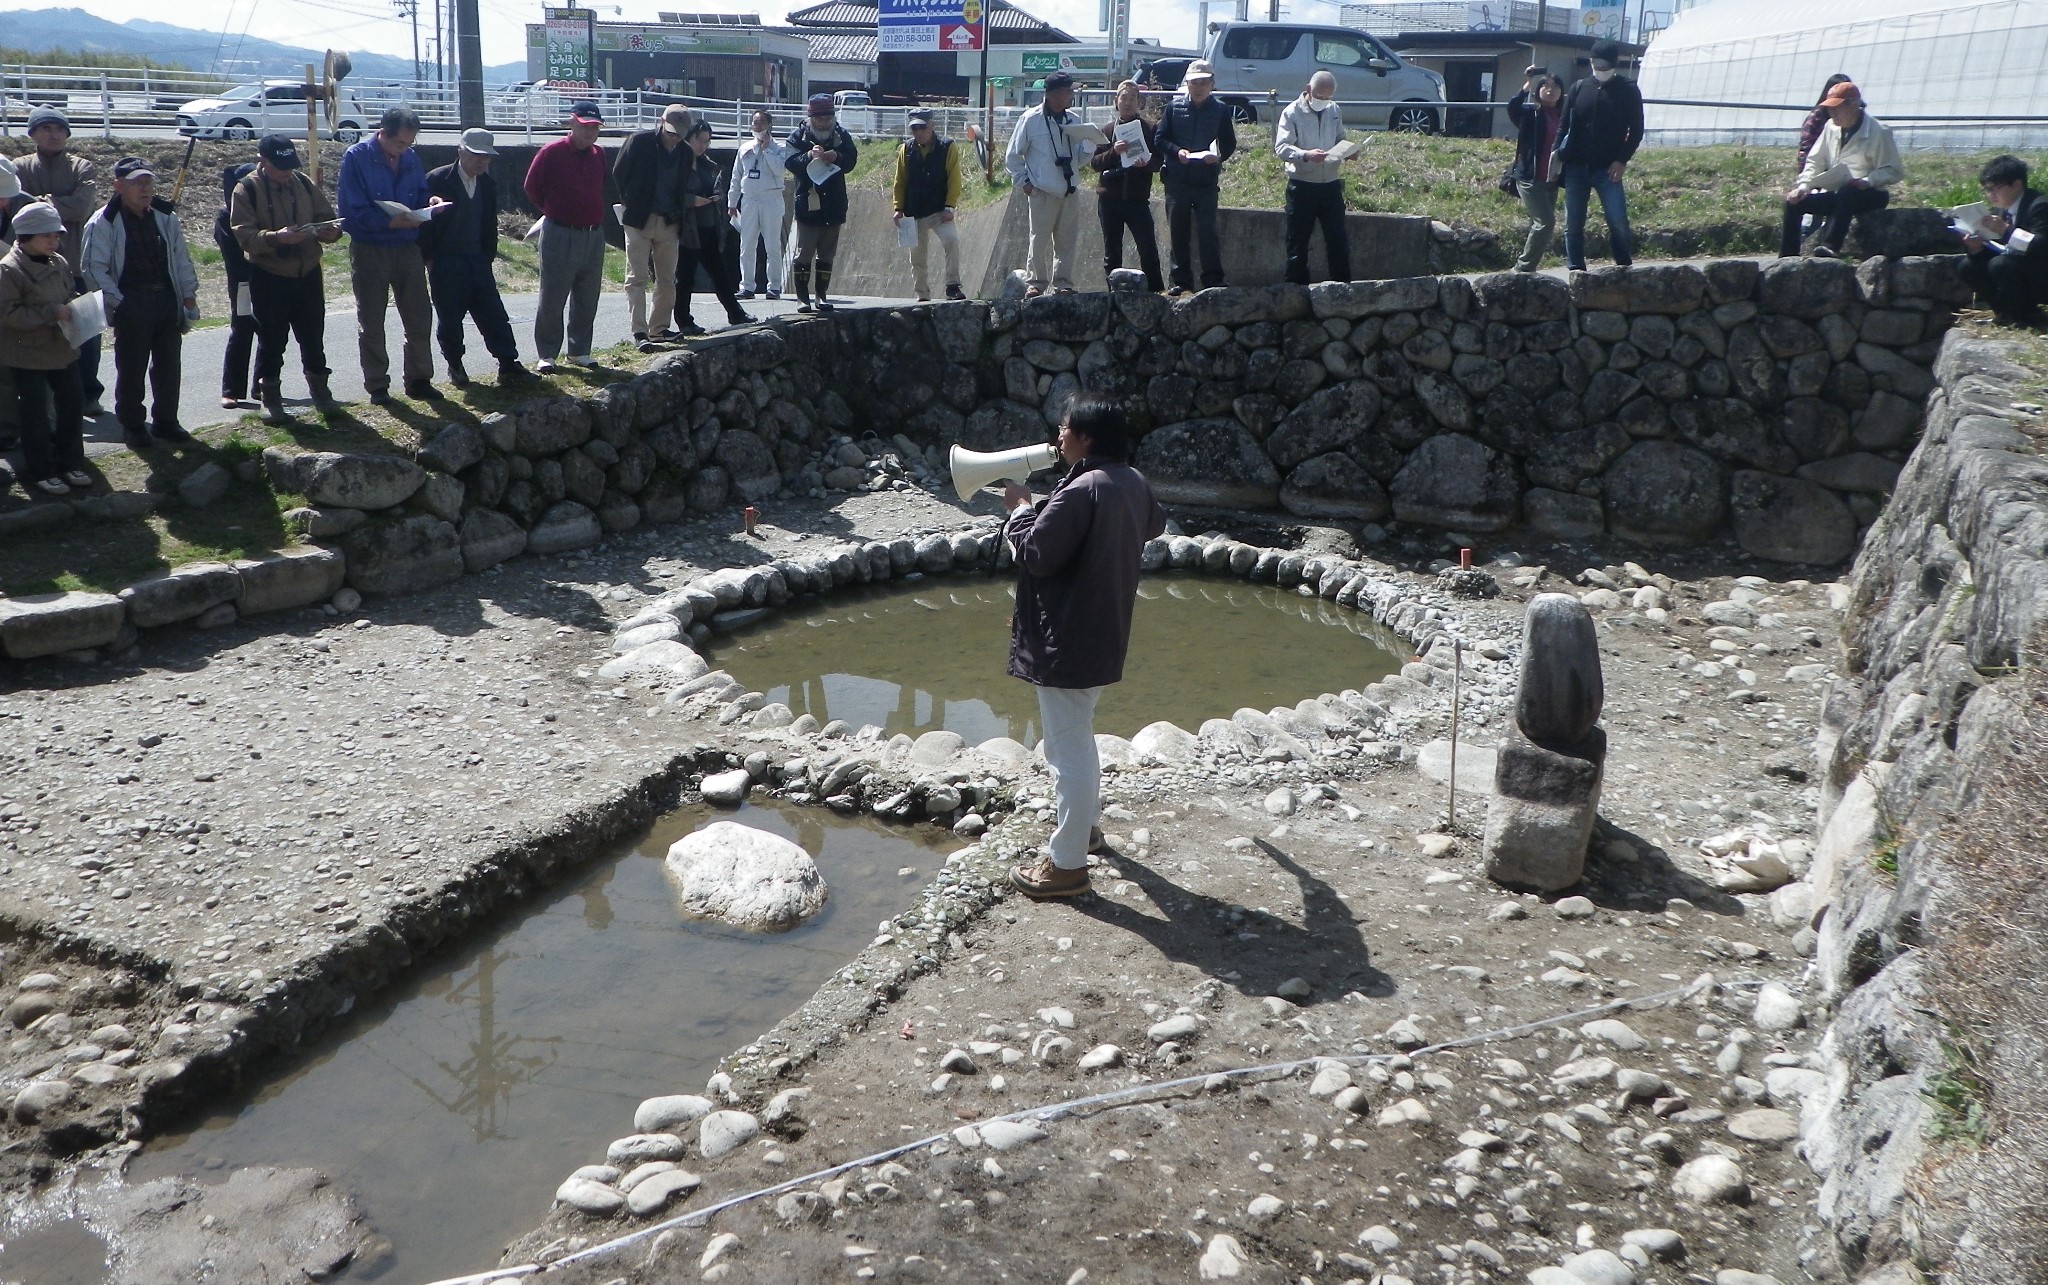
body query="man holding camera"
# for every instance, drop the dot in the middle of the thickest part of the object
(1041, 164)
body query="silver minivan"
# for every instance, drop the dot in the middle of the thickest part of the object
(1255, 60)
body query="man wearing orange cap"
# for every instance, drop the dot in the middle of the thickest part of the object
(1846, 173)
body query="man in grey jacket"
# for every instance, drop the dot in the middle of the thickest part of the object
(1077, 582)
(1310, 126)
(135, 255)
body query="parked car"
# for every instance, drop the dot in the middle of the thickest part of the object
(856, 112)
(1255, 60)
(1162, 73)
(275, 106)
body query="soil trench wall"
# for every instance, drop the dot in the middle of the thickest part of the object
(1948, 598)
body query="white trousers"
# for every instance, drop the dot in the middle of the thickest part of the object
(761, 223)
(1068, 714)
(1055, 222)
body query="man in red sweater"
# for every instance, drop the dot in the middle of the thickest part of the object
(566, 184)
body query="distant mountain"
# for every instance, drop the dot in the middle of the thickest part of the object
(75, 29)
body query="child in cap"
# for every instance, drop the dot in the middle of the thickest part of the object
(36, 289)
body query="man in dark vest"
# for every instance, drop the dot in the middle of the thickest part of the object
(459, 247)
(927, 190)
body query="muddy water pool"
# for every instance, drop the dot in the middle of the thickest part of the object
(935, 654)
(454, 1106)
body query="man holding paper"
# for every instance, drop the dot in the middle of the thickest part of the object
(459, 247)
(2008, 264)
(136, 257)
(1311, 140)
(821, 155)
(384, 204)
(566, 184)
(282, 220)
(1123, 187)
(1197, 137)
(1846, 173)
(1041, 164)
(927, 190)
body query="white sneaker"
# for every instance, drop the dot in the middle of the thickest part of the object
(546, 366)
(584, 360)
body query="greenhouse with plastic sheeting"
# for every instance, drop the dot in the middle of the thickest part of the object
(1955, 76)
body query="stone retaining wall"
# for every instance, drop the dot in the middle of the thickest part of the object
(1672, 404)
(1948, 597)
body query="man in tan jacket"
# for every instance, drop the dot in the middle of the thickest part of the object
(1846, 173)
(52, 173)
(281, 221)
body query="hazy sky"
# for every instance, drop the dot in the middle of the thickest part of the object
(373, 25)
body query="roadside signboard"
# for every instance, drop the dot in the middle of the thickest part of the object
(569, 41)
(929, 26)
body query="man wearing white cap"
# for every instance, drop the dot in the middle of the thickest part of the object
(459, 247)
(1196, 135)
(136, 257)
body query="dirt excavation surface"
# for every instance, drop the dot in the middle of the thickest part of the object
(214, 849)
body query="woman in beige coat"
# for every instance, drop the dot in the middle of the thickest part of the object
(35, 301)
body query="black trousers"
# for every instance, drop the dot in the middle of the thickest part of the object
(289, 308)
(1310, 205)
(1836, 208)
(50, 449)
(149, 340)
(1191, 217)
(462, 286)
(2015, 285)
(234, 366)
(709, 254)
(1115, 214)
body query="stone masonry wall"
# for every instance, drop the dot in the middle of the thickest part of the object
(1948, 597)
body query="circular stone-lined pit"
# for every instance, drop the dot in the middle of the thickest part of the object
(934, 654)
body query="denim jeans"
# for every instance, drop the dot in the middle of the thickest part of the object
(1578, 180)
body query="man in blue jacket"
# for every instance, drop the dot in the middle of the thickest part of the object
(1197, 137)
(384, 252)
(1077, 583)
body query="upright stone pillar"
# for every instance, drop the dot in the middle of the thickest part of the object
(1547, 780)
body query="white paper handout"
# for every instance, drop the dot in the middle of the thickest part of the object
(88, 318)
(1131, 133)
(906, 233)
(399, 209)
(244, 305)
(1344, 150)
(619, 213)
(820, 172)
(1969, 219)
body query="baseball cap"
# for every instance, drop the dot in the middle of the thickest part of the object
(133, 167)
(279, 150)
(1605, 54)
(41, 116)
(36, 219)
(479, 141)
(820, 105)
(920, 117)
(584, 112)
(1059, 80)
(676, 118)
(1198, 70)
(399, 119)
(1846, 92)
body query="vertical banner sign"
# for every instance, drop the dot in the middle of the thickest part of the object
(928, 26)
(569, 39)
(1119, 40)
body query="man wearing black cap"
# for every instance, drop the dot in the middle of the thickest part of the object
(64, 179)
(822, 155)
(566, 184)
(927, 190)
(1603, 126)
(384, 253)
(459, 246)
(136, 257)
(270, 213)
(1041, 162)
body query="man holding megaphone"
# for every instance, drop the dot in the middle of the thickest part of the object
(1077, 582)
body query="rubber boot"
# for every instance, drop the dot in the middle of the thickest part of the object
(273, 403)
(323, 396)
(800, 274)
(824, 285)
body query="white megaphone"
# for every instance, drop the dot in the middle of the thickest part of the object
(973, 470)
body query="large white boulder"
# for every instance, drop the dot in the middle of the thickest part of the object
(745, 877)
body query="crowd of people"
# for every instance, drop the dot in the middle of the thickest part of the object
(426, 241)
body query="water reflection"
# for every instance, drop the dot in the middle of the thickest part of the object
(453, 1108)
(912, 659)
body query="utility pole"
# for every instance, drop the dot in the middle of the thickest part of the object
(411, 9)
(440, 47)
(469, 62)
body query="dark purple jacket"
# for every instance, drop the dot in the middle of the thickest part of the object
(1077, 575)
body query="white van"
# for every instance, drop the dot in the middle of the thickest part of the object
(273, 107)
(856, 112)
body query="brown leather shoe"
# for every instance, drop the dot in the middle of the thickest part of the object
(1041, 878)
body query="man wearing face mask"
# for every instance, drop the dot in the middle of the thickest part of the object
(1309, 127)
(1603, 126)
(755, 198)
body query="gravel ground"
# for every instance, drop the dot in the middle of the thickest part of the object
(212, 850)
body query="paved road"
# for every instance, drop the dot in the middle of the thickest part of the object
(200, 399)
